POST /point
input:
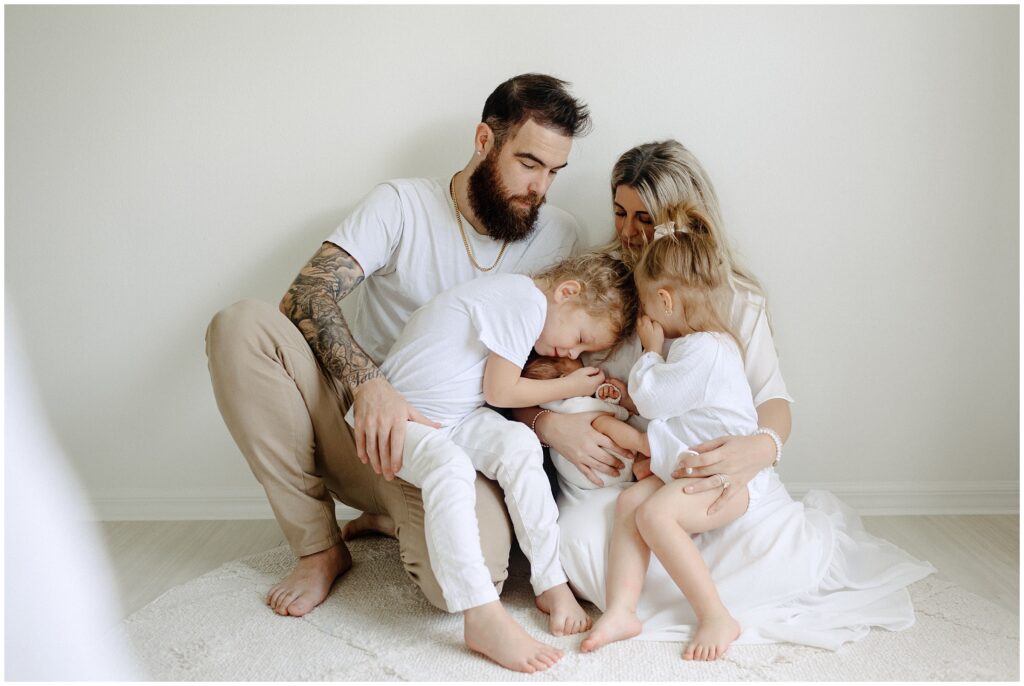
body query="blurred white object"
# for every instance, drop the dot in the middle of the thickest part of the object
(61, 615)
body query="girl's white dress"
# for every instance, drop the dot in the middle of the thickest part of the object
(801, 572)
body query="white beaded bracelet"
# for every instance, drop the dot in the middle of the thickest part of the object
(533, 427)
(770, 433)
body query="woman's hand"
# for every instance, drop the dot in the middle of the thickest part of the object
(652, 336)
(740, 458)
(584, 446)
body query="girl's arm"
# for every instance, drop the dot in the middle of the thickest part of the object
(504, 385)
(623, 434)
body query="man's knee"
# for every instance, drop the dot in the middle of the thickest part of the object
(495, 542)
(236, 321)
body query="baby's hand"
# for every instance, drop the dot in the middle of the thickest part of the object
(624, 399)
(584, 381)
(652, 336)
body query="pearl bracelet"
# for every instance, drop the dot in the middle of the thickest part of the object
(770, 433)
(533, 427)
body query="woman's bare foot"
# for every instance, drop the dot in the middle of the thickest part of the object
(366, 524)
(713, 637)
(614, 625)
(564, 612)
(310, 581)
(491, 631)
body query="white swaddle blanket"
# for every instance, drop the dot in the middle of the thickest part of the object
(567, 472)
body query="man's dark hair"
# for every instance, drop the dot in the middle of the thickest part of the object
(539, 97)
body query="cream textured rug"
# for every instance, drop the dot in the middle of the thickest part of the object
(376, 626)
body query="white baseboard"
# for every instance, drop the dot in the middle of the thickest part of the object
(883, 498)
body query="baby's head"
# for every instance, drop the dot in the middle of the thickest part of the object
(680, 277)
(545, 368)
(592, 305)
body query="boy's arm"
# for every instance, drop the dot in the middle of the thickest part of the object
(623, 434)
(504, 385)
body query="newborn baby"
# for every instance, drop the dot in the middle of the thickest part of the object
(605, 400)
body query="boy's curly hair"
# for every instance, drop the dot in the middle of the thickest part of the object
(606, 288)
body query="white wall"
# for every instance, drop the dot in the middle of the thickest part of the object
(162, 162)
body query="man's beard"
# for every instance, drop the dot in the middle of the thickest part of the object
(492, 205)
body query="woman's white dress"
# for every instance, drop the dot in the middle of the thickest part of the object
(801, 572)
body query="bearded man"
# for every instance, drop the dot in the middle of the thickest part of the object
(284, 378)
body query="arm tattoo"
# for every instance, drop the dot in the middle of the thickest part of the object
(312, 303)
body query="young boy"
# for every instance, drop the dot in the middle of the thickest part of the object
(465, 348)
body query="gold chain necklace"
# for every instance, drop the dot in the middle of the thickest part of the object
(465, 239)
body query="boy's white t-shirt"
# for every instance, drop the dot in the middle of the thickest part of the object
(438, 361)
(406, 240)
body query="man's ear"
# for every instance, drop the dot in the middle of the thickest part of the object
(483, 139)
(567, 290)
(666, 300)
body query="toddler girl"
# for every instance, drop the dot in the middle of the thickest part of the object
(698, 392)
(466, 347)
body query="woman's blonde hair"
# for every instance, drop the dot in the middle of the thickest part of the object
(667, 177)
(687, 261)
(606, 288)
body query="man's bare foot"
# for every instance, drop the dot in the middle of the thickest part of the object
(713, 637)
(491, 631)
(565, 614)
(310, 581)
(366, 524)
(614, 625)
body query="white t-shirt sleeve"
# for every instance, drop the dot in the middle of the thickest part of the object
(372, 231)
(761, 361)
(664, 388)
(510, 323)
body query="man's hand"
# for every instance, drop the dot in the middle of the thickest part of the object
(652, 336)
(380, 415)
(586, 448)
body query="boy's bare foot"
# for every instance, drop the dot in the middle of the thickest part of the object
(310, 581)
(565, 614)
(491, 631)
(614, 625)
(713, 637)
(366, 524)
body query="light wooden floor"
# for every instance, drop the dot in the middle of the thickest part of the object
(979, 552)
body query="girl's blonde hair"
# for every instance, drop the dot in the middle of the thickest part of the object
(667, 176)
(688, 262)
(606, 288)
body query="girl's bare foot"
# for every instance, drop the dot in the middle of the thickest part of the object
(713, 637)
(310, 582)
(366, 524)
(491, 631)
(614, 625)
(565, 616)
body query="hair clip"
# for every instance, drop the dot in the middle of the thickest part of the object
(667, 229)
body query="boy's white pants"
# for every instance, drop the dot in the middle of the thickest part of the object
(443, 463)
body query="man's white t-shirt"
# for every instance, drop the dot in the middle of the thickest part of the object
(405, 238)
(438, 361)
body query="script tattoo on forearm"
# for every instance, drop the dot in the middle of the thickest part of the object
(312, 303)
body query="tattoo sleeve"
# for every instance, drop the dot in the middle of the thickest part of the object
(312, 304)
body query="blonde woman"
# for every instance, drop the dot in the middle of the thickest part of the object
(786, 570)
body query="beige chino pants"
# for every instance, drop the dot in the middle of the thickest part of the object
(288, 418)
